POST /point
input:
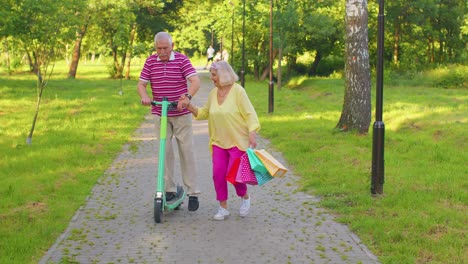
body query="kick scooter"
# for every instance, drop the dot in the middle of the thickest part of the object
(160, 203)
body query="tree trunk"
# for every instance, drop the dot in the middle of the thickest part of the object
(396, 43)
(266, 69)
(279, 73)
(76, 53)
(313, 68)
(7, 55)
(130, 49)
(117, 65)
(41, 86)
(265, 72)
(292, 62)
(356, 113)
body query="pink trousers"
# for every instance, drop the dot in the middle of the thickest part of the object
(222, 162)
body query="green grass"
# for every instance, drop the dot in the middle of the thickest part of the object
(422, 216)
(83, 124)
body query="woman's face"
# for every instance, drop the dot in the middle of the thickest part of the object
(214, 77)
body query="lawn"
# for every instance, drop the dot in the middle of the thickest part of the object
(422, 216)
(83, 124)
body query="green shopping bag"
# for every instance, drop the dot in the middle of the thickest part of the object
(255, 163)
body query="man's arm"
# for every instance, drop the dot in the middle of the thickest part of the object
(194, 86)
(141, 88)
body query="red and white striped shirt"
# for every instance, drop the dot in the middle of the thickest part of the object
(168, 79)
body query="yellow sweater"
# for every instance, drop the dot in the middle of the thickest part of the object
(229, 124)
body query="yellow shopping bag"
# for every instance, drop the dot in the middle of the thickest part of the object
(274, 167)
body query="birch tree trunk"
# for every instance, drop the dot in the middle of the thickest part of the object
(356, 113)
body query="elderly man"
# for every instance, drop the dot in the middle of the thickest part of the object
(168, 71)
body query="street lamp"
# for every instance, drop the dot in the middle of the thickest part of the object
(270, 86)
(377, 179)
(243, 45)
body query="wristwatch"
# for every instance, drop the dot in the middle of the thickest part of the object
(189, 96)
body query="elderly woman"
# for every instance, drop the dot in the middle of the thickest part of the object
(233, 126)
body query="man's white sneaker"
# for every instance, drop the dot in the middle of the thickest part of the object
(245, 207)
(221, 214)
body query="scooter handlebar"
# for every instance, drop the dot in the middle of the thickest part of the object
(171, 105)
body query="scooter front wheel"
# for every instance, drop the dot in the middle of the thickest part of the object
(158, 210)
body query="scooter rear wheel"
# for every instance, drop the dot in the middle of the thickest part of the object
(158, 210)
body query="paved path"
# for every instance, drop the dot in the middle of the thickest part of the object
(116, 224)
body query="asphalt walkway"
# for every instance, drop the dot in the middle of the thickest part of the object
(116, 224)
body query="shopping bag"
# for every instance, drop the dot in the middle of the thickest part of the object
(263, 177)
(232, 173)
(255, 163)
(274, 167)
(245, 174)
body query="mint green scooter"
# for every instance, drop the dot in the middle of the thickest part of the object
(160, 203)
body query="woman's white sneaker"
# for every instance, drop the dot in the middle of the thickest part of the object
(221, 214)
(245, 207)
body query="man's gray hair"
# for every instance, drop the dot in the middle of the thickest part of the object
(163, 35)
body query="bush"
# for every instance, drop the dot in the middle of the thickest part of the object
(329, 65)
(453, 76)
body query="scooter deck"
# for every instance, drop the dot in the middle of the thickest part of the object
(176, 201)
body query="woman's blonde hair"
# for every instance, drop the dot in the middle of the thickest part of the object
(225, 73)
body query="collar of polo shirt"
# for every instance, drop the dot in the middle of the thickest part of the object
(172, 57)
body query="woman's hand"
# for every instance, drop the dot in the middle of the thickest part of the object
(253, 139)
(183, 103)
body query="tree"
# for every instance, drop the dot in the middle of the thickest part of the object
(356, 113)
(116, 21)
(41, 25)
(83, 15)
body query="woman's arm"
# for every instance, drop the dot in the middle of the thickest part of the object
(193, 109)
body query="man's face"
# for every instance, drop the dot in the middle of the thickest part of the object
(163, 49)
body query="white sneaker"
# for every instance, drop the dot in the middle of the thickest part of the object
(221, 214)
(245, 207)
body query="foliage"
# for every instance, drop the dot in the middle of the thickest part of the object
(454, 76)
(418, 34)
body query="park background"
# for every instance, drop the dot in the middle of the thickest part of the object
(68, 103)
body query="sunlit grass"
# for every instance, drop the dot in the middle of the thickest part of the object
(422, 216)
(82, 125)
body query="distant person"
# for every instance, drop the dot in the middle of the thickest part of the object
(218, 56)
(225, 55)
(172, 75)
(232, 126)
(209, 55)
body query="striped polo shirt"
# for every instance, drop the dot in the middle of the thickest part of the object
(168, 79)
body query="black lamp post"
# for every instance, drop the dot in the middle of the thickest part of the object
(377, 180)
(270, 85)
(243, 45)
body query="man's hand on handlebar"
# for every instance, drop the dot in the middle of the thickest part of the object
(145, 101)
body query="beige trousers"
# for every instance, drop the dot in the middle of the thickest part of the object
(180, 128)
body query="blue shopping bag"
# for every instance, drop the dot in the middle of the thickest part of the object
(263, 178)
